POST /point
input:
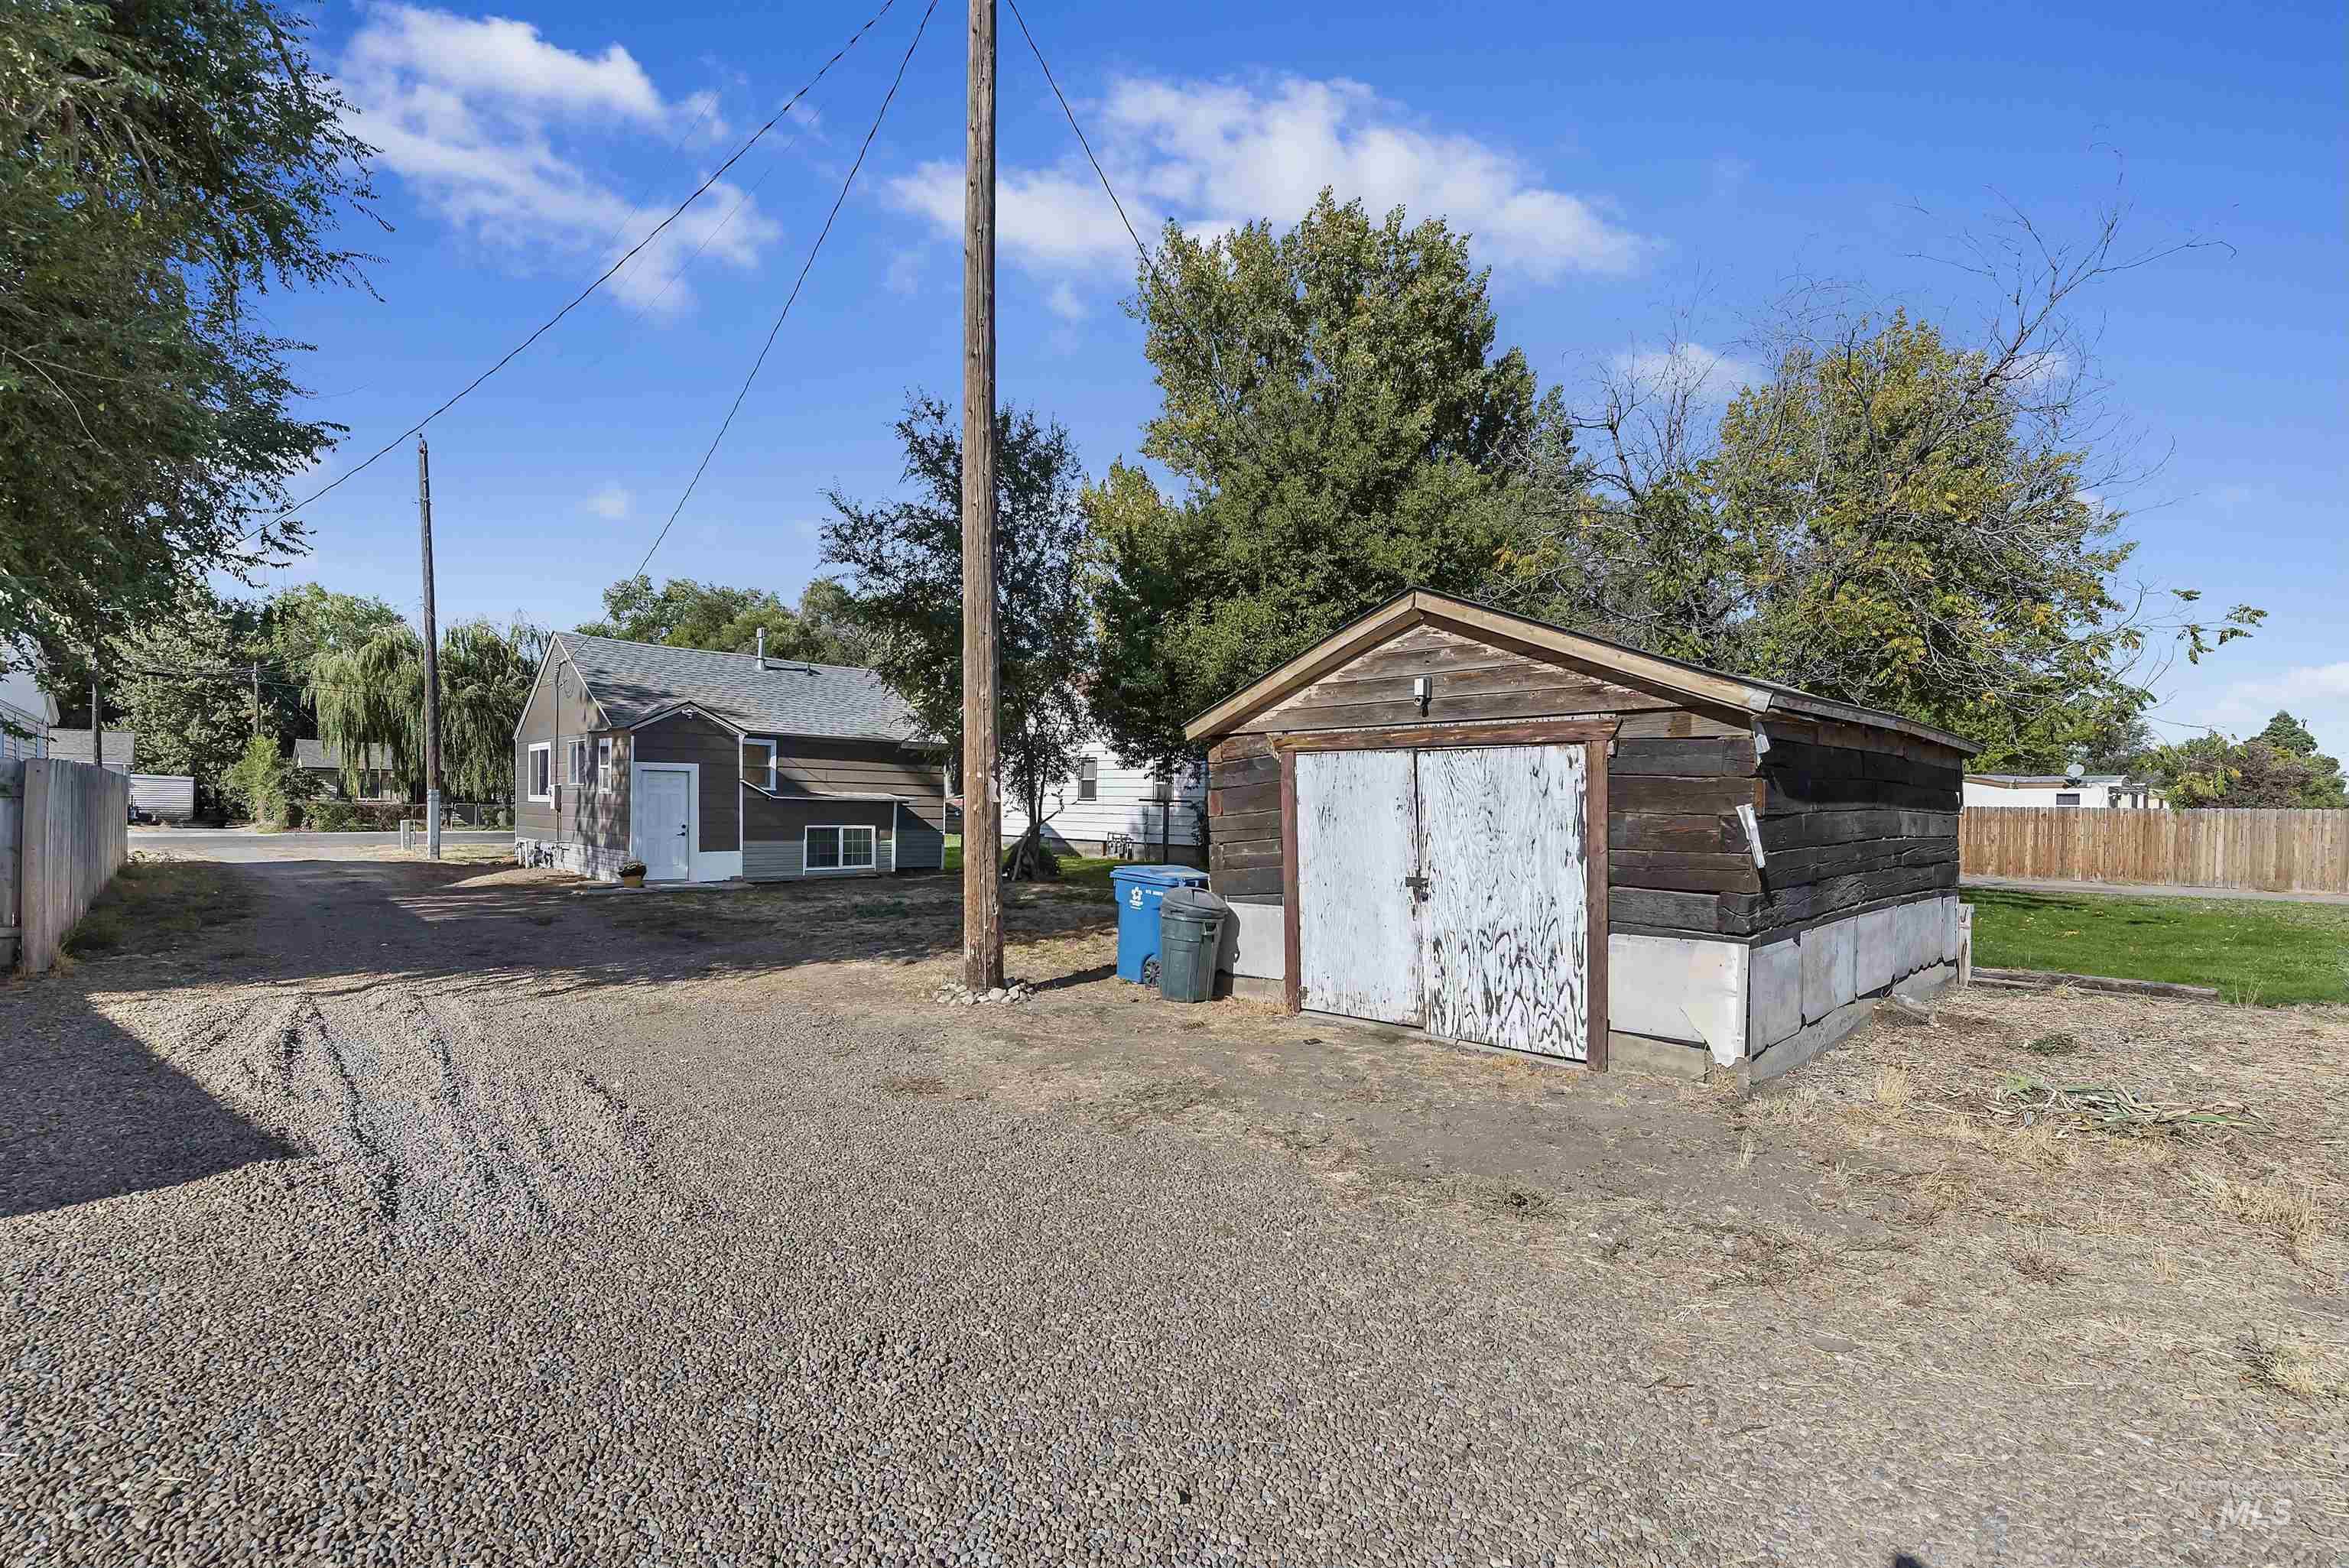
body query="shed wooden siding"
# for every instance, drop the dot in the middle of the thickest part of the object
(1866, 822)
(690, 738)
(774, 844)
(1469, 679)
(540, 716)
(1852, 815)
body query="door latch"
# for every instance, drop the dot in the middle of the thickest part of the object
(1418, 886)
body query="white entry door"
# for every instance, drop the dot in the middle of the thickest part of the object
(1357, 865)
(1507, 918)
(664, 823)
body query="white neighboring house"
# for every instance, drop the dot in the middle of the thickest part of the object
(30, 712)
(1107, 808)
(2089, 792)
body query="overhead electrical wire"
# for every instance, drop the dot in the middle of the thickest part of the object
(783, 315)
(601, 278)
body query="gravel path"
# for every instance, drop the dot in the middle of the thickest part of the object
(511, 1305)
(463, 1227)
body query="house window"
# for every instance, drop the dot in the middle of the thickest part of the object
(759, 763)
(603, 764)
(2067, 798)
(838, 848)
(540, 773)
(1088, 778)
(579, 755)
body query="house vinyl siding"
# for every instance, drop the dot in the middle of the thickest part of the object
(543, 722)
(1126, 802)
(690, 738)
(775, 833)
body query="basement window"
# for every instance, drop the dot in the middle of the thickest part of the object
(2067, 798)
(841, 849)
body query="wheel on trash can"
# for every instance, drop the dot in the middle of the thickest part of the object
(1149, 972)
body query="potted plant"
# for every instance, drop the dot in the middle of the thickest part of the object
(632, 874)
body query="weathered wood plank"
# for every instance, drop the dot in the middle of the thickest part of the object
(1228, 803)
(1677, 724)
(1532, 703)
(1241, 771)
(1506, 919)
(1357, 852)
(1673, 833)
(72, 835)
(1235, 826)
(1254, 882)
(1708, 872)
(1232, 747)
(1223, 856)
(1714, 757)
(1424, 737)
(1678, 796)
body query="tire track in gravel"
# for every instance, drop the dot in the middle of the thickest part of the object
(410, 1102)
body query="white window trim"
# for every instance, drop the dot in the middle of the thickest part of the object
(750, 741)
(603, 765)
(843, 829)
(536, 746)
(582, 755)
(1093, 779)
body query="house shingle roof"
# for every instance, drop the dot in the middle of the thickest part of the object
(310, 753)
(631, 682)
(73, 745)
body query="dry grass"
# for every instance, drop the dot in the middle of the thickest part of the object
(453, 854)
(155, 904)
(2058, 1044)
(2285, 1212)
(2292, 1366)
(2039, 1263)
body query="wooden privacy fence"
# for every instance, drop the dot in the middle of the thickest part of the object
(65, 830)
(2277, 851)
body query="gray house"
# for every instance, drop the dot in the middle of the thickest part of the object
(714, 766)
(76, 746)
(325, 764)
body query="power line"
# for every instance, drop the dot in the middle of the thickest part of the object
(601, 278)
(814, 251)
(1207, 339)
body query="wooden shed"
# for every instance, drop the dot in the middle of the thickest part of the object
(1451, 818)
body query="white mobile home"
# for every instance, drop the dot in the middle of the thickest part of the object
(2090, 792)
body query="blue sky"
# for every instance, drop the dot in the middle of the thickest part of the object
(1620, 171)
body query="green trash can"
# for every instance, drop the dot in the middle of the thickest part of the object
(1190, 929)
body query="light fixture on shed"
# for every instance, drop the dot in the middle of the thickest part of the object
(1422, 689)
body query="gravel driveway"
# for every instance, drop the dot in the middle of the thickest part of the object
(448, 1218)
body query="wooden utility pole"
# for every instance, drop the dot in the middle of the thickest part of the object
(256, 697)
(982, 846)
(431, 662)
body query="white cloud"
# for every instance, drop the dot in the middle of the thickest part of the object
(904, 275)
(2317, 695)
(1212, 155)
(2040, 372)
(1062, 302)
(611, 503)
(1713, 377)
(483, 116)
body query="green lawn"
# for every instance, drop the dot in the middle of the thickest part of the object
(2252, 952)
(1076, 871)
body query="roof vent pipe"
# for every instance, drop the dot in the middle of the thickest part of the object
(762, 647)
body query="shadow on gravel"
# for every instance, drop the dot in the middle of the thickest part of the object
(371, 922)
(86, 1112)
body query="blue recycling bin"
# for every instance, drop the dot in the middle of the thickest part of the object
(1140, 890)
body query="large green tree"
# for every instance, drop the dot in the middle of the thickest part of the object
(2212, 771)
(903, 560)
(1342, 428)
(371, 695)
(166, 162)
(684, 614)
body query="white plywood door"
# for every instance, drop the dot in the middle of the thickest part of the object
(1357, 854)
(1507, 917)
(664, 823)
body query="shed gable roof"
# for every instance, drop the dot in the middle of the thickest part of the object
(634, 682)
(1675, 678)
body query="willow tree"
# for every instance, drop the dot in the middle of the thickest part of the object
(372, 696)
